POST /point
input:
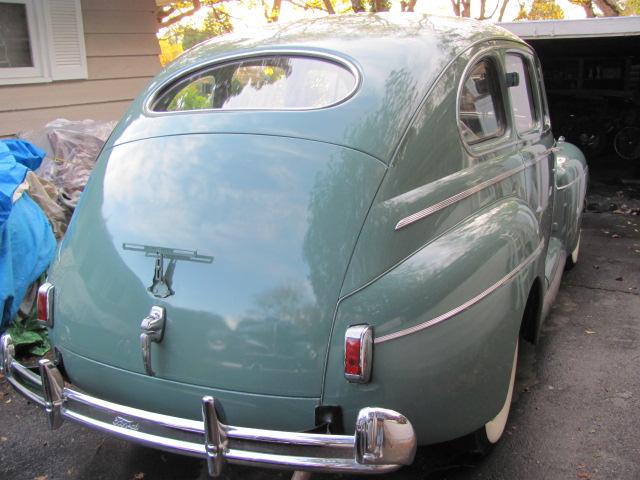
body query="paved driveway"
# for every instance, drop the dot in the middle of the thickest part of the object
(576, 413)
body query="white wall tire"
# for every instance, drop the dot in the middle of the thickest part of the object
(494, 429)
(572, 259)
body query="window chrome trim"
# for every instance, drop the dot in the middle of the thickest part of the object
(406, 221)
(218, 61)
(487, 144)
(531, 70)
(465, 306)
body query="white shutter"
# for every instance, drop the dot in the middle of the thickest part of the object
(65, 36)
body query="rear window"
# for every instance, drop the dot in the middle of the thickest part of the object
(265, 83)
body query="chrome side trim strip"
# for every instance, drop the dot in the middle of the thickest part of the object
(464, 194)
(465, 306)
(582, 176)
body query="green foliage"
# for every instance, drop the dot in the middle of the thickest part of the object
(217, 22)
(192, 97)
(631, 7)
(29, 336)
(541, 10)
(379, 5)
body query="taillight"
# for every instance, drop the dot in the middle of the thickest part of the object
(45, 304)
(358, 353)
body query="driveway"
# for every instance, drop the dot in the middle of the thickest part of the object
(575, 413)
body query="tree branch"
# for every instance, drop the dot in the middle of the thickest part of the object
(609, 8)
(329, 7)
(502, 9)
(164, 16)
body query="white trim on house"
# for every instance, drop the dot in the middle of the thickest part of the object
(582, 28)
(56, 38)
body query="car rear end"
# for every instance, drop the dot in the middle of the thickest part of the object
(192, 301)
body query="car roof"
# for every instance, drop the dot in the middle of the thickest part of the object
(399, 57)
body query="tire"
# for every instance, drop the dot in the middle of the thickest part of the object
(592, 143)
(626, 143)
(486, 437)
(572, 259)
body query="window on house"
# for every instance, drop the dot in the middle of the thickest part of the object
(41, 41)
(520, 93)
(480, 111)
(15, 48)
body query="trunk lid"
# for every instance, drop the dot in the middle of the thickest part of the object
(255, 234)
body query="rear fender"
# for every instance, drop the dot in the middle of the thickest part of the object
(448, 376)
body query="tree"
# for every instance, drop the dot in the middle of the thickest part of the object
(609, 8)
(632, 7)
(181, 37)
(462, 8)
(541, 10)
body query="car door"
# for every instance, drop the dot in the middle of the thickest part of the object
(534, 135)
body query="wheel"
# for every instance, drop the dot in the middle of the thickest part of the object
(572, 259)
(593, 143)
(626, 143)
(486, 437)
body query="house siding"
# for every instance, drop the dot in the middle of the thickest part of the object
(122, 57)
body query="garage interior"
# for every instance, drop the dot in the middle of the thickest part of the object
(592, 75)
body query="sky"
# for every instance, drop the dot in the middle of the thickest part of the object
(244, 17)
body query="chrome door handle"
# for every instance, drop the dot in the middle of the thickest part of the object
(152, 331)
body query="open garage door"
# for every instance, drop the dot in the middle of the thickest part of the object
(592, 75)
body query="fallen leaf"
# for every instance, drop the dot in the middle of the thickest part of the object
(589, 332)
(584, 475)
(41, 477)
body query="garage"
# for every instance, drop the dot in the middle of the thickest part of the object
(592, 75)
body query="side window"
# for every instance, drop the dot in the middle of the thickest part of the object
(520, 92)
(481, 111)
(543, 97)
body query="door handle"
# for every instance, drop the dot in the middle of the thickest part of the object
(152, 332)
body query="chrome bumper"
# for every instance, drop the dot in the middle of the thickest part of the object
(384, 440)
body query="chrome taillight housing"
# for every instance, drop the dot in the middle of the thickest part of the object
(358, 353)
(45, 304)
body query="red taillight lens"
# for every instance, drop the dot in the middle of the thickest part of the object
(352, 356)
(358, 351)
(45, 304)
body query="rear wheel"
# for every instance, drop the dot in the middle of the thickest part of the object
(486, 437)
(572, 259)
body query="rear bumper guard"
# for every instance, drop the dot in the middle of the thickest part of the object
(384, 440)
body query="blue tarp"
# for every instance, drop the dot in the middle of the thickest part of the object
(27, 244)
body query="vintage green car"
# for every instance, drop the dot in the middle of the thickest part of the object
(315, 248)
